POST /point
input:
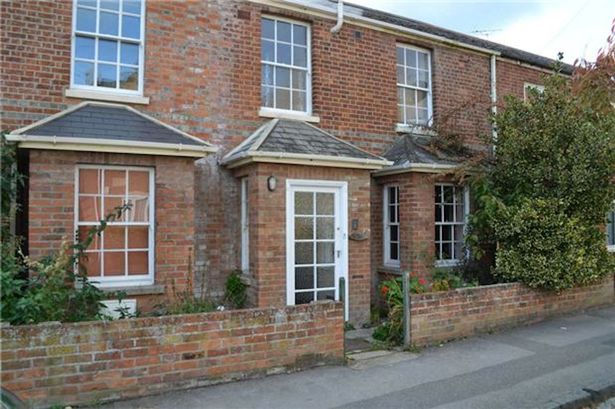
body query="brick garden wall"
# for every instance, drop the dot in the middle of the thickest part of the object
(90, 362)
(444, 316)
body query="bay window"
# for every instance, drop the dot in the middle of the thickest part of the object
(123, 254)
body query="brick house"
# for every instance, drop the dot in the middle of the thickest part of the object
(248, 136)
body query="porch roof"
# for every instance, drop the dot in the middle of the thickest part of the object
(105, 127)
(297, 142)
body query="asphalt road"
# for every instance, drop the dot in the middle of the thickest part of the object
(540, 366)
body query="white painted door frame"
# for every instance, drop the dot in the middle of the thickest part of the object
(340, 189)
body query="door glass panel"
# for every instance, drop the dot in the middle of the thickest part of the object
(324, 252)
(325, 228)
(304, 298)
(304, 253)
(326, 295)
(304, 203)
(304, 278)
(326, 277)
(304, 228)
(325, 204)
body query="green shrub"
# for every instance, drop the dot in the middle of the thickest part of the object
(544, 247)
(236, 291)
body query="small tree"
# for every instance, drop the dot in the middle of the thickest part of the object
(543, 194)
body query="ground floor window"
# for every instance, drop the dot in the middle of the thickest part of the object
(610, 229)
(123, 254)
(245, 227)
(451, 205)
(391, 225)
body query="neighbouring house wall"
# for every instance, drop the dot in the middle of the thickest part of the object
(51, 211)
(268, 232)
(443, 316)
(91, 362)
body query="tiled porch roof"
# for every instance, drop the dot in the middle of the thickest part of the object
(290, 141)
(96, 126)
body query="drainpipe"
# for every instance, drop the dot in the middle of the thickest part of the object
(340, 17)
(494, 95)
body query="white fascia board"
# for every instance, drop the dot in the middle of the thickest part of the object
(303, 159)
(109, 145)
(416, 167)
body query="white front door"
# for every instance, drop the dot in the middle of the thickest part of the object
(316, 240)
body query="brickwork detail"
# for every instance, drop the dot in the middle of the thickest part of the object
(91, 362)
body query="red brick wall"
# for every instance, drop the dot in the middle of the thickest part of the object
(268, 232)
(512, 76)
(51, 213)
(90, 362)
(443, 316)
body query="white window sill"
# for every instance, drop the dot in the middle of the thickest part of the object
(105, 96)
(447, 263)
(415, 129)
(282, 114)
(133, 289)
(610, 249)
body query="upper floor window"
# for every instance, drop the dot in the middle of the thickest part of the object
(451, 207)
(529, 86)
(413, 85)
(391, 226)
(610, 229)
(123, 254)
(108, 45)
(285, 65)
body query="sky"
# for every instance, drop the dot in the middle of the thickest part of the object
(578, 28)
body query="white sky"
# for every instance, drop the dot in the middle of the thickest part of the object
(578, 28)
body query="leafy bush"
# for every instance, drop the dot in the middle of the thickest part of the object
(236, 291)
(54, 291)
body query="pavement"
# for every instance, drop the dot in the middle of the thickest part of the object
(548, 365)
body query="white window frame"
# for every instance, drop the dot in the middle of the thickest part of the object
(611, 247)
(388, 261)
(119, 38)
(405, 123)
(122, 281)
(466, 211)
(528, 85)
(269, 111)
(245, 226)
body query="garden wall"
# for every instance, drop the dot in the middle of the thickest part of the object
(91, 362)
(442, 316)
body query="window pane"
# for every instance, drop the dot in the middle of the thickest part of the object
(304, 278)
(392, 214)
(393, 251)
(108, 23)
(283, 56)
(304, 253)
(423, 79)
(267, 50)
(299, 101)
(138, 183)
(107, 50)
(325, 277)
(394, 233)
(114, 263)
(132, 6)
(410, 58)
(282, 77)
(324, 252)
(325, 228)
(448, 192)
(86, 20)
(448, 213)
(89, 181)
(131, 27)
(267, 96)
(400, 95)
(299, 34)
(139, 209)
(267, 28)
(138, 263)
(283, 31)
(84, 73)
(438, 194)
(282, 98)
(267, 74)
(84, 47)
(400, 56)
(91, 263)
(410, 97)
(106, 75)
(421, 99)
(410, 114)
(401, 117)
(115, 237)
(83, 234)
(438, 213)
(325, 204)
(304, 298)
(110, 4)
(299, 79)
(129, 54)
(304, 203)
(458, 248)
(411, 77)
(129, 78)
(111, 204)
(300, 56)
(89, 209)
(447, 251)
(459, 232)
(115, 182)
(423, 61)
(326, 295)
(447, 234)
(88, 3)
(437, 233)
(138, 237)
(400, 75)
(422, 116)
(304, 228)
